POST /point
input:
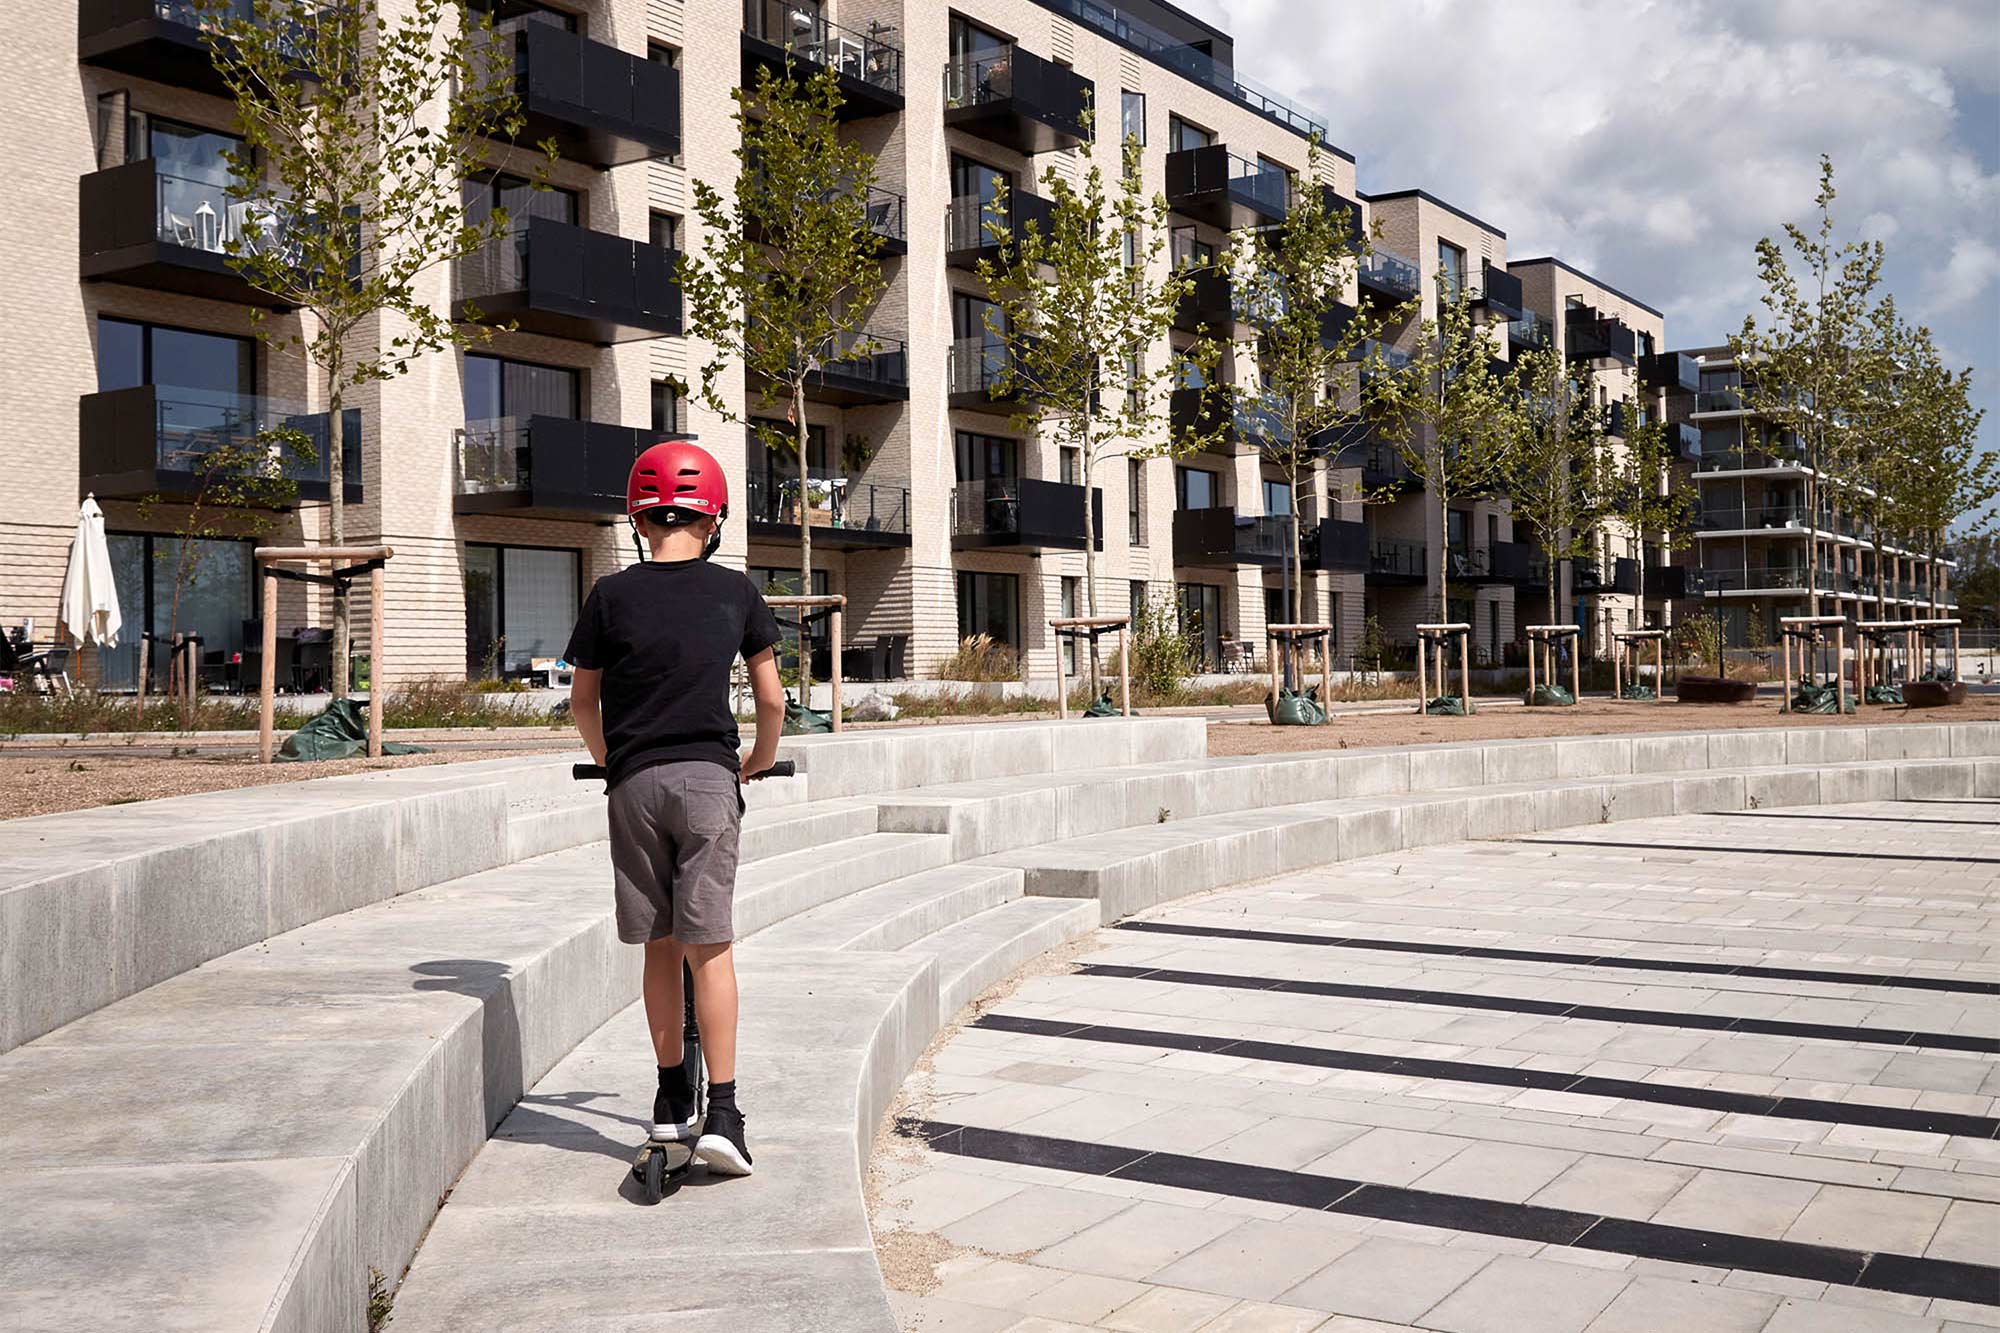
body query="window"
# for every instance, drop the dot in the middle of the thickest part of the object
(496, 387)
(1493, 630)
(1135, 501)
(1069, 465)
(522, 12)
(666, 408)
(1451, 266)
(984, 457)
(989, 604)
(211, 368)
(1492, 530)
(1277, 497)
(772, 477)
(520, 604)
(216, 603)
(522, 201)
(1201, 620)
(1183, 135)
(662, 54)
(1457, 530)
(1277, 610)
(1138, 597)
(1132, 116)
(974, 188)
(975, 317)
(1071, 585)
(773, 581)
(664, 230)
(1196, 488)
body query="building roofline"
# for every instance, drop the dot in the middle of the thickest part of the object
(1572, 269)
(1430, 198)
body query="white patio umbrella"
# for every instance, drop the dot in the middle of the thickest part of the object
(90, 594)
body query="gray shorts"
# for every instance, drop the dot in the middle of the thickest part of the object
(673, 853)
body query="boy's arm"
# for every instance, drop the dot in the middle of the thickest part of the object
(586, 689)
(770, 695)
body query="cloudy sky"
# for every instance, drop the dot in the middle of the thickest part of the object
(1651, 143)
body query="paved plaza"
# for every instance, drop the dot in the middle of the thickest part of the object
(1710, 1073)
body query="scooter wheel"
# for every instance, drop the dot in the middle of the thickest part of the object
(652, 1175)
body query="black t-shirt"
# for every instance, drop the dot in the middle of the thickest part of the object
(665, 634)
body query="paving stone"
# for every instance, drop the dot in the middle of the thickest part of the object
(1657, 1305)
(1082, 1298)
(1388, 1279)
(1513, 1295)
(1801, 1316)
(1257, 1260)
(1262, 1317)
(1033, 1219)
(1388, 1156)
(1858, 1219)
(1139, 1241)
(1969, 1232)
(1741, 1204)
(1614, 1187)
(1498, 1171)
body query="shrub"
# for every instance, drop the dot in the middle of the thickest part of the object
(981, 658)
(1164, 655)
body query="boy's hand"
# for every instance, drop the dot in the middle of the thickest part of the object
(753, 766)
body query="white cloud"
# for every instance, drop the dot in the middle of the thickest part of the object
(1653, 143)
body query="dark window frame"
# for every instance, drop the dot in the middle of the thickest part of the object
(500, 587)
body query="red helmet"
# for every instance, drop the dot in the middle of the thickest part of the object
(677, 474)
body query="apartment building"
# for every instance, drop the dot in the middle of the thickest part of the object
(497, 472)
(1756, 539)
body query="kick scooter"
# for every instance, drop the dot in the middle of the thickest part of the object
(662, 1162)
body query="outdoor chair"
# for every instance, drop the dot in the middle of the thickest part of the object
(52, 668)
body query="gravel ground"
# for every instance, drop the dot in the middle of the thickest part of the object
(1591, 717)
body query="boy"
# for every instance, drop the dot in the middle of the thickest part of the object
(653, 650)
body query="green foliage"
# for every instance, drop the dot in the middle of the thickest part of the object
(1164, 655)
(381, 1301)
(1805, 371)
(1075, 316)
(788, 270)
(358, 132)
(1697, 637)
(1445, 411)
(1552, 457)
(1292, 274)
(1948, 482)
(1638, 489)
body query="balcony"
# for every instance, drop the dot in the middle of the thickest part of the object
(883, 220)
(153, 440)
(1590, 576)
(1676, 372)
(1388, 277)
(160, 40)
(865, 368)
(1772, 517)
(1017, 99)
(1494, 563)
(977, 376)
(842, 513)
(1590, 336)
(1618, 420)
(1741, 580)
(545, 467)
(1213, 185)
(564, 281)
(1394, 563)
(969, 226)
(1022, 513)
(778, 35)
(1719, 402)
(1529, 333)
(1499, 293)
(1751, 460)
(1251, 424)
(1666, 582)
(1337, 546)
(603, 106)
(1219, 538)
(1383, 467)
(1209, 304)
(1334, 322)
(1684, 441)
(140, 226)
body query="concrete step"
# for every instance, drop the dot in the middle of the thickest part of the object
(890, 916)
(777, 887)
(982, 949)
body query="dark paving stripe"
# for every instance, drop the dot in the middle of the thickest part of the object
(1624, 961)
(1907, 1274)
(1853, 819)
(1759, 851)
(1503, 1076)
(1511, 1004)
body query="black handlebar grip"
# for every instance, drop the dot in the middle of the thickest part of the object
(783, 768)
(585, 772)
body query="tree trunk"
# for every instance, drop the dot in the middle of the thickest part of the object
(805, 545)
(1298, 600)
(1812, 544)
(336, 529)
(1089, 557)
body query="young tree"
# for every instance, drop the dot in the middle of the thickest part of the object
(788, 271)
(238, 483)
(1803, 374)
(1088, 298)
(1951, 482)
(1444, 411)
(1885, 418)
(1551, 458)
(358, 134)
(1639, 491)
(1295, 276)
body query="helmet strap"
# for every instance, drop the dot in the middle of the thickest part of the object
(638, 537)
(714, 541)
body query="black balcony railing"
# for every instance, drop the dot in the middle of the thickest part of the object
(1589, 336)
(601, 105)
(1017, 99)
(979, 373)
(1209, 303)
(1213, 185)
(568, 282)
(1529, 333)
(1500, 293)
(1339, 546)
(1676, 372)
(546, 467)
(145, 227)
(972, 229)
(164, 40)
(1719, 400)
(777, 33)
(1222, 537)
(1023, 512)
(1394, 561)
(840, 511)
(1383, 466)
(157, 440)
(1389, 276)
(865, 368)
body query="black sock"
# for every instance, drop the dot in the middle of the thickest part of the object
(674, 1082)
(722, 1094)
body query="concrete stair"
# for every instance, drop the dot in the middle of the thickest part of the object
(898, 913)
(973, 954)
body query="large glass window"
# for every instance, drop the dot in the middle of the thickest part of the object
(970, 316)
(215, 601)
(773, 477)
(1451, 265)
(989, 604)
(775, 582)
(1201, 620)
(1277, 497)
(1183, 135)
(130, 354)
(968, 39)
(667, 408)
(520, 604)
(985, 457)
(1132, 116)
(1135, 501)
(1196, 488)
(496, 387)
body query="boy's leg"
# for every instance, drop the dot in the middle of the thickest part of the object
(665, 1005)
(714, 967)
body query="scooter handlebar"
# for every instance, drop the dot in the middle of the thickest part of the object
(783, 768)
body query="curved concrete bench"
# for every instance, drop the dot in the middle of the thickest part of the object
(789, 1249)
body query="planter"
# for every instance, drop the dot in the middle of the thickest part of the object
(1933, 693)
(1714, 690)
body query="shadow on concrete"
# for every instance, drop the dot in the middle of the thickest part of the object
(491, 984)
